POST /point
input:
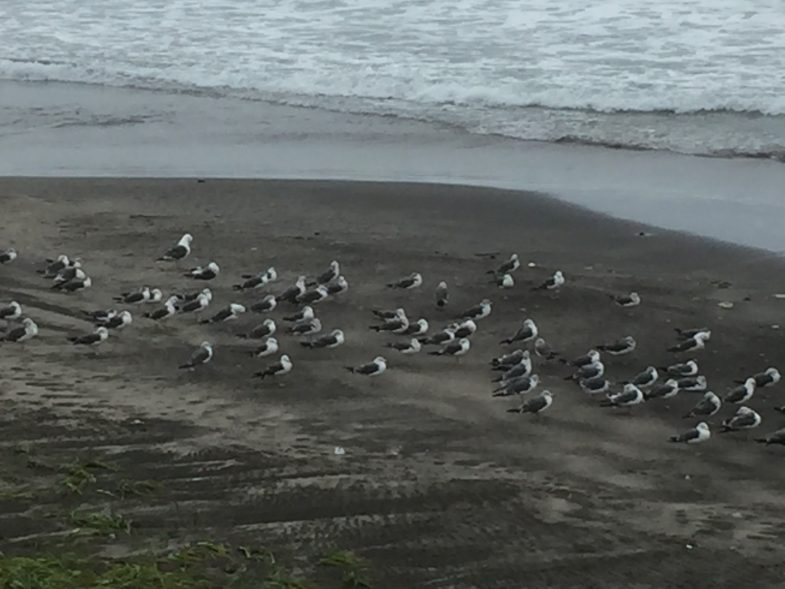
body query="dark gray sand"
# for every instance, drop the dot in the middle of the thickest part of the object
(439, 485)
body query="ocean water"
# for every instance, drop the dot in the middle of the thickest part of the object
(703, 77)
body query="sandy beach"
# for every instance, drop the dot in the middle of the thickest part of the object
(439, 486)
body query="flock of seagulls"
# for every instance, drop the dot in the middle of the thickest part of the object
(513, 370)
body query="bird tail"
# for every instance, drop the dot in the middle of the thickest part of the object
(606, 403)
(739, 381)
(780, 409)
(148, 315)
(674, 438)
(242, 335)
(163, 259)
(117, 299)
(186, 365)
(725, 429)
(73, 340)
(204, 321)
(436, 353)
(349, 368)
(375, 328)
(306, 344)
(761, 440)
(515, 410)
(570, 377)
(688, 415)
(506, 342)
(237, 287)
(499, 393)
(246, 276)
(441, 304)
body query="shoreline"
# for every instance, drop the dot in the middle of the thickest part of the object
(439, 486)
(78, 131)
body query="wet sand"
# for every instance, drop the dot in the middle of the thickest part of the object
(439, 486)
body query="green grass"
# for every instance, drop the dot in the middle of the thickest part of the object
(79, 475)
(354, 569)
(103, 523)
(50, 572)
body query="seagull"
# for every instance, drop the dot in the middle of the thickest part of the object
(506, 360)
(619, 347)
(101, 316)
(135, 297)
(527, 332)
(119, 321)
(444, 336)
(745, 418)
(283, 366)
(8, 256)
(191, 296)
(11, 311)
(589, 357)
(156, 295)
(204, 272)
(777, 437)
(393, 325)
(700, 433)
(410, 347)
(229, 313)
(689, 368)
(552, 283)
(389, 314)
(665, 390)
(594, 386)
(265, 329)
(690, 333)
(414, 280)
(337, 286)
(696, 342)
(419, 327)
(543, 349)
(454, 348)
(692, 383)
(442, 295)
(535, 405)
(290, 294)
(267, 304)
(628, 300)
(268, 348)
(517, 371)
(257, 280)
(647, 378)
(742, 393)
(311, 297)
(168, 309)
(306, 327)
(373, 368)
(767, 378)
(331, 340)
(198, 304)
(706, 407)
(328, 275)
(510, 265)
(55, 266)
(504, 281)
(93, 339)
(304, 314)
(26, 331)
(73, 272)
(179, 252)
(629, 396)
(480, 311)
(587, 371)
(74, 285)
(523, 359)
(465, 328)
(202, 355)
(517, 386)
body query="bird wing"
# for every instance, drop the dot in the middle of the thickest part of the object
(200, 356)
